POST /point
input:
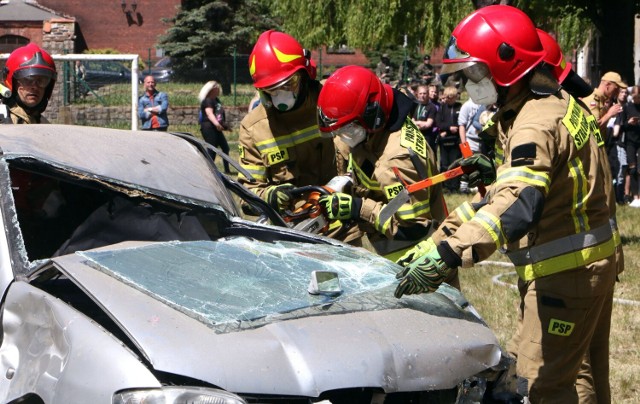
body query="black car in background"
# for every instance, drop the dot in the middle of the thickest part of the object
(106, 72)
(161, 70)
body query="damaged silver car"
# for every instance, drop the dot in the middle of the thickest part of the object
(129, 276)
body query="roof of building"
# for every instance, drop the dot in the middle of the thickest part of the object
(25, 10)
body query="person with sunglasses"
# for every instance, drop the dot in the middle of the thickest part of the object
(29, 77)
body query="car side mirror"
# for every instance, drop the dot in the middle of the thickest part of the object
(324, 283)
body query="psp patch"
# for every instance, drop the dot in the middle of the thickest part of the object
(392, 190)
(277, 156)
(577, 124)
(412, 137)
(561, 328)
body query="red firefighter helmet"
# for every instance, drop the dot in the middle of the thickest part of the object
(502, 37)
(554, 56)
(275, 57)
(354, 93)
(29, 60)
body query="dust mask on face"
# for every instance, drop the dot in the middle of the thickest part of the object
(352, 134)
(483, 92)
(283, 100)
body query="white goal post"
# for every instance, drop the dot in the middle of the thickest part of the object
(117, 57)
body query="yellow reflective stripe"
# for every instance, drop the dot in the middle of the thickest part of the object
(579, 196)
(526, 175)
(465, 212)
(567, 261)
(364, 178)
(491, 224)
(282, 142)
(382, 227)
(408, 212)
(499, 155)
(258, 172)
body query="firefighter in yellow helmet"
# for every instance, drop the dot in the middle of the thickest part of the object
(279, 141)
(547, 209)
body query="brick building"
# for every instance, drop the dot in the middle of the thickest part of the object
(73, 26)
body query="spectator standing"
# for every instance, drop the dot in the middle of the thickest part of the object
(29, 76)
(425, 72)
(608, 88)
(468, 132)
(212, 121)
(617, 151)
(384, 70)
(152, 107)
(629, 123)
(424, 116)
(279, 140)
(449, 137)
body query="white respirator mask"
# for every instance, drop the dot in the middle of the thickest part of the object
(483, 92)
(283, 100)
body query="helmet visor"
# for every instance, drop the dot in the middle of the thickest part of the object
(476, 71)
(34, 81)
(289, 84)
(454, 58)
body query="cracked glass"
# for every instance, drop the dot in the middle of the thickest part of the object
(242, 280)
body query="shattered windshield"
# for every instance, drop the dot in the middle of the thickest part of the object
(240, 279)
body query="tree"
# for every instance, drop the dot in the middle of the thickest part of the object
(205, 29)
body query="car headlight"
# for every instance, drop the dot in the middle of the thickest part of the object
(177, 395)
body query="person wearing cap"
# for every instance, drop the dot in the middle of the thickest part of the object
(608, 88)
(28, 79)
(547, 210)
(425, 71)
(384, 70)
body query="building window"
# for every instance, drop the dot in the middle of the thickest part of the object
(10, 42)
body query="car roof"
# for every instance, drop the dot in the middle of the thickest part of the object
(158, 163)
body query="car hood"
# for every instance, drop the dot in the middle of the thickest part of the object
(236, 313)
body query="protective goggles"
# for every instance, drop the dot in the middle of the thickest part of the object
(34, 81)
(476, 72)
(291, 84)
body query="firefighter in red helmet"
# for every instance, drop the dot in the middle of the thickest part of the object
(547, 210)
(29, 76)
(374, 120)
(279, 141)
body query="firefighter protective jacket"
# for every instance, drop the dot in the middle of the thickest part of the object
(371, 165)
(285, 147)
(548, 209)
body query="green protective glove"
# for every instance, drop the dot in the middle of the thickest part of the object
(478, 169)
(424, 275)
(278, 197)
(413, 254)
(340, 206)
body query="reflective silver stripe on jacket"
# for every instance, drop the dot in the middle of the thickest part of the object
(564, 245)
